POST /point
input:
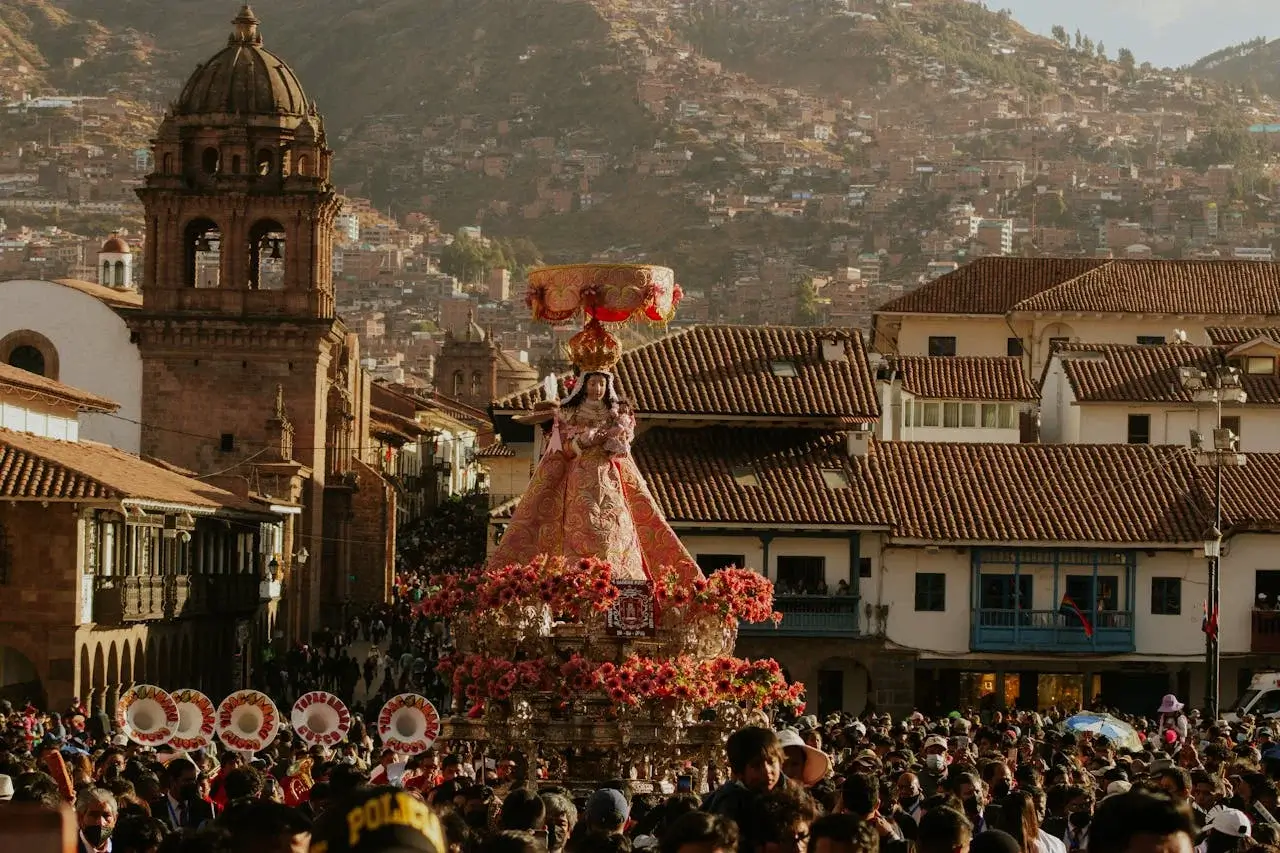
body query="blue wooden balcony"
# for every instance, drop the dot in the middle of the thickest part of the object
(809, 616)
(999, 630)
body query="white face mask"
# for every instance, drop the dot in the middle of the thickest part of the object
(935, 762)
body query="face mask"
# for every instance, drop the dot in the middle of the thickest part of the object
(971, 806)
(1079, 820)
(190, 792)
(477, 819)
(1001, 789)
(96, 835)
(910, 802)
(935, 762)
(553, 838)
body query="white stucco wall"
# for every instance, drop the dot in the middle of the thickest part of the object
(1108, 423)
(94, 352)
(975, 335)
(947, 631)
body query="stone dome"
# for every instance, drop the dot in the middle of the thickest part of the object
(244, 78)
(114, 246)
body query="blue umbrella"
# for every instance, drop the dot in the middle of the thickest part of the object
(1120, 733)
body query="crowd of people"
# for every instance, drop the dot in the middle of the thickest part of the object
(987, 783)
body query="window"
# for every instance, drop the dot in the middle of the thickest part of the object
(1232, 423)
(1260, 365)
(1104, 596)
(1150, 340)
(459, 382)
(28, 358)
(1266, 589)
(968, 414)
(802, 575)
(999, 592)
(477, 384)
(909, 408)
(990, 415)
(1166, 596)
(1013, 347)
(1004, 416)
(227, 442)
(931, 592)
(1055, 343)
(710, 563)
(785, 369)
(745, 476)
(1139, 429)
(929, 412)
(864, 567)
(951, 415)
(835, 478)
(942, 345)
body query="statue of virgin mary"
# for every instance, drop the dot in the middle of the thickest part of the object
(587, 497)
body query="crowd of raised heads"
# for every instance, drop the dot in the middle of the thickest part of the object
(984, 782)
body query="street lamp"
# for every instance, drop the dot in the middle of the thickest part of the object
(1215, 388)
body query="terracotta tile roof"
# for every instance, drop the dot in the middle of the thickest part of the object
(497, 450)
(990, 285)
(1250, 288)
(730, 371)
(458, 410)
(1241, 334)
(33, 467)
(1250, 493)
(24, 384)
(964, 377)
(1121, 494)
(1002, 285)
(1129, 373)
(691, 474)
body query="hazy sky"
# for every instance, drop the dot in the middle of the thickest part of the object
(1165, 32)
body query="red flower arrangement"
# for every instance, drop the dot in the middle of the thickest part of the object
(636, 682)
(734, 595)
(569, 588)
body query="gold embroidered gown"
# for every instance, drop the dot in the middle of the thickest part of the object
(587, 499)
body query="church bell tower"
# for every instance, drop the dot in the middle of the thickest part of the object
(237, 330)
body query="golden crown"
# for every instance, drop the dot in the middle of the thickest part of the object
(594, 349)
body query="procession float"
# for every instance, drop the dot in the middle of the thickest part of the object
(590, 644)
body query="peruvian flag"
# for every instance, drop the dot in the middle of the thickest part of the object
(1209, 623)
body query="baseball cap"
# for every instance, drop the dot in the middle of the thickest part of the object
(1231, 822)
(934, 740)
(607, 807)
(378, 820)
(6, 788)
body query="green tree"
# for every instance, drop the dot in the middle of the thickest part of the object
(1086, 47)
(1060, 35)
(1232, 145)
(451, 538)
(1102, 51)
(465, 259)
(807, 312)
(1126, 60)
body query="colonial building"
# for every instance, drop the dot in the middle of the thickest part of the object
(475, 370)
(1024, 307)
(959, 399)
(115, 569)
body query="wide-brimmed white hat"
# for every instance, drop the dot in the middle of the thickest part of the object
(816, 762)
(1170, 704)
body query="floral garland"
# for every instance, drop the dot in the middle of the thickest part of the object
(571, 589)
(734, 595)
(636, 682)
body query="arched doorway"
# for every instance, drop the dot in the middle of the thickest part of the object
(86, 677)
(19, 679)
(843, 685)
